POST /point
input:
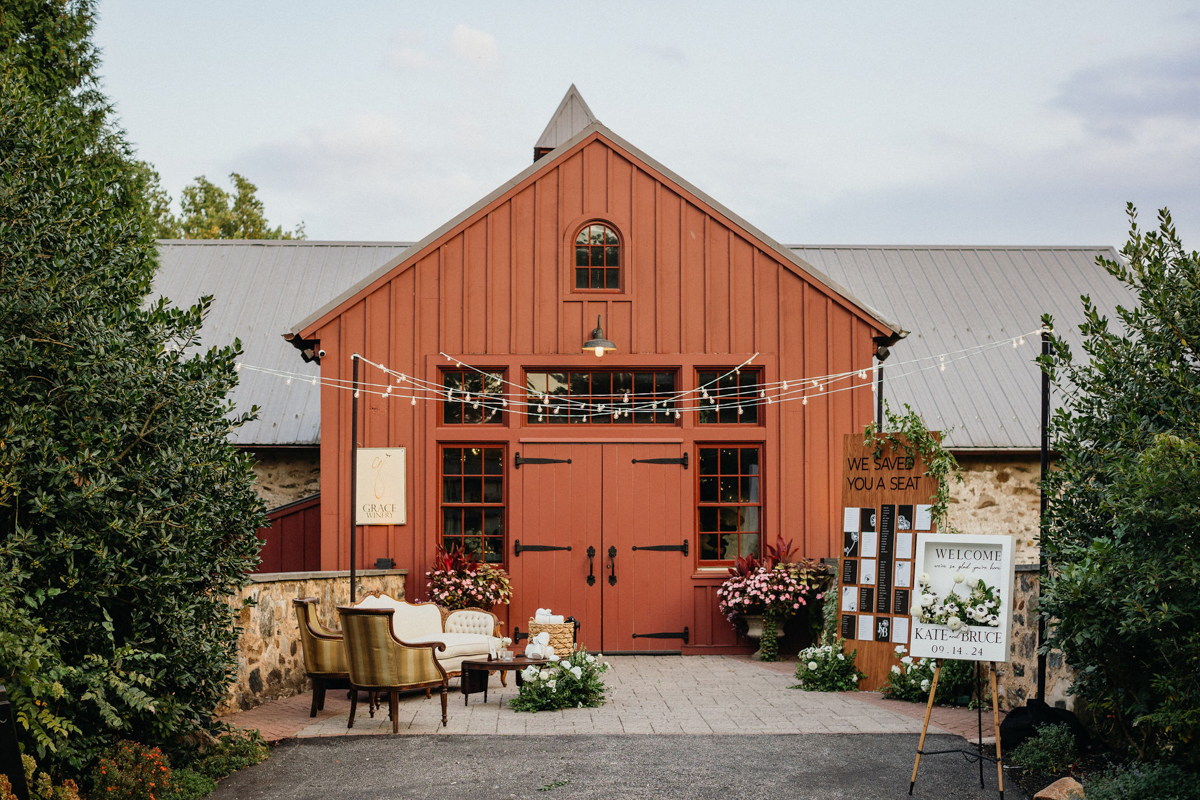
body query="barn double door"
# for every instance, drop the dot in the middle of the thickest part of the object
(601, 535)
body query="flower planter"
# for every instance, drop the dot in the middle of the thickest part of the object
(754, 626)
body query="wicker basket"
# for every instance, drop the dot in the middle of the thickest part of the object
(562, 635)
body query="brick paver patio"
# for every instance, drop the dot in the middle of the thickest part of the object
(650, 695)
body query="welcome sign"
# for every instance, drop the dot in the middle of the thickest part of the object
(381, 486)
(962, 604)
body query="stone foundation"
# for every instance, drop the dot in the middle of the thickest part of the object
(270, 663)
(1018, 678)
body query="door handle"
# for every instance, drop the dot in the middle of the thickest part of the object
(612, 565)
(591, 554)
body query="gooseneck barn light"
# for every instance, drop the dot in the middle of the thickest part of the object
(598, 344)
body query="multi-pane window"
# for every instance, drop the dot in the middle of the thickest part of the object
(729, 506)
(727, 392)
(473, 398)
(473, 501)
(601, 397)
(597, 258)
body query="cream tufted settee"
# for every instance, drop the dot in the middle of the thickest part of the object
(467, 633)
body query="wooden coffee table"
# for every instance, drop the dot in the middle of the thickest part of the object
(475, 673)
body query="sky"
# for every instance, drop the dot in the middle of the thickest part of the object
(1015, 123)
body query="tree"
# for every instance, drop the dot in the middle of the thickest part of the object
(210, 212)
(1122, 533)
(127, 518)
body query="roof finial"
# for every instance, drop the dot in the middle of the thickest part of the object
(572, 116)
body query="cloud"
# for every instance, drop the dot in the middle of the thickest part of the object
(404, 54)
(1122, 97)
(666, 52)
(474, 47)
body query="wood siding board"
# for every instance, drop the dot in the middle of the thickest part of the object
(546, 323)
(717, 299)
(475, 285)
(524, 286)
(743, 320)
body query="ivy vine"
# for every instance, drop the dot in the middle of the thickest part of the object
(907, 435)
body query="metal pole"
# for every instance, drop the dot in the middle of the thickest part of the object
(353, 471)
(879, 396)
(1041, 632)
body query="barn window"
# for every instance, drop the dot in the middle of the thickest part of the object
(729, 503)
(727, 391)
(597, 258)
(472, 398)
(600, 397)
(472, 500)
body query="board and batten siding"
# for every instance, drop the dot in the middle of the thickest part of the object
(497, 290)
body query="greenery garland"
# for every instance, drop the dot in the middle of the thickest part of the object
(907, 435)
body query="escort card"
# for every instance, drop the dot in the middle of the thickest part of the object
(887, 518)
(866, 627)
(904, 545)
(883, 629)
(869, 544)
(868, 572)
(850, 517)
(849, 571)
(924, 520)
(900, 630)
(904, 518)
(904, 574)
(902, 600)
(850, 544)
(867, 519)
(849, 599)
(866, 598)
(848, 629)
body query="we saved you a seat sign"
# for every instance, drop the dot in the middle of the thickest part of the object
(962, 607)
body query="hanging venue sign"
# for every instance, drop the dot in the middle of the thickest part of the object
(963, 606)
(886, 499)
(380, 486)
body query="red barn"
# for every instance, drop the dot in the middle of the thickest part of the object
(603, 485)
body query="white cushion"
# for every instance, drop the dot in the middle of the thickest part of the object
(457, 644)
(409, 621)
(467, 621)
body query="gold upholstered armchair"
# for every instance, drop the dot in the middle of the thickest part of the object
(324, 654)
(379, 662)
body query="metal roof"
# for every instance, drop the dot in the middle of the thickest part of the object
(957, 297)
(572, 116)
(258, 287)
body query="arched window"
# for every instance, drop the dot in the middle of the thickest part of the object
(597, 258)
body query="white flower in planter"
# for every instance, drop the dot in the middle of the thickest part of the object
(812, 665)
(530, 673)
(553, 685)
(591, 659)
(546, 674)
(906, 661)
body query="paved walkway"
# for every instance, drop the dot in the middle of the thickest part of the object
(650, 695)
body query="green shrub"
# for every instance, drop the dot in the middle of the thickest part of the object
(911, 679)
(132, 771)
(39, 783)
(1157, 781)
(191, 785)
(1050, 750)
(1123, 591)
(232, 751)
(572, 682)
(827, 669)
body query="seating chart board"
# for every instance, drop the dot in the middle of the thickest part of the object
(886, 500)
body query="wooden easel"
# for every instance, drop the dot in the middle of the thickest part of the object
(999, 759)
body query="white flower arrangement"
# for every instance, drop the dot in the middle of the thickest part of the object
(570, 681)
(981, 608)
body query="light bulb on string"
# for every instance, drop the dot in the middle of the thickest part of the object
(862, 374)
(740, 412)
(237, 367)
(289, 381)
(414, 401)
(785, 388)
(356, 394)
(1022, 339)
(804, 401)
(1016, 343)
(676, 415)
(314, 381)
(400, 379)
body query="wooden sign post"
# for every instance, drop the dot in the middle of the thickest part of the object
(886, 500)
(963, 610)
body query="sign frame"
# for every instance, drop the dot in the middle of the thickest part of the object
(381, 491)
(966, 554)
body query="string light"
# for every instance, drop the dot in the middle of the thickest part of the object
(289, 381)
(237, 367)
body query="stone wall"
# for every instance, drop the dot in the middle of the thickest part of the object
(286, 474)
(999, 495)
(270, 662)
(1018, 678)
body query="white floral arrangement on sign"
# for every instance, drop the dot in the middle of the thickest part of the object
(980, 608)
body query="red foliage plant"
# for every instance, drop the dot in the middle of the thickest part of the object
(454, 560)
